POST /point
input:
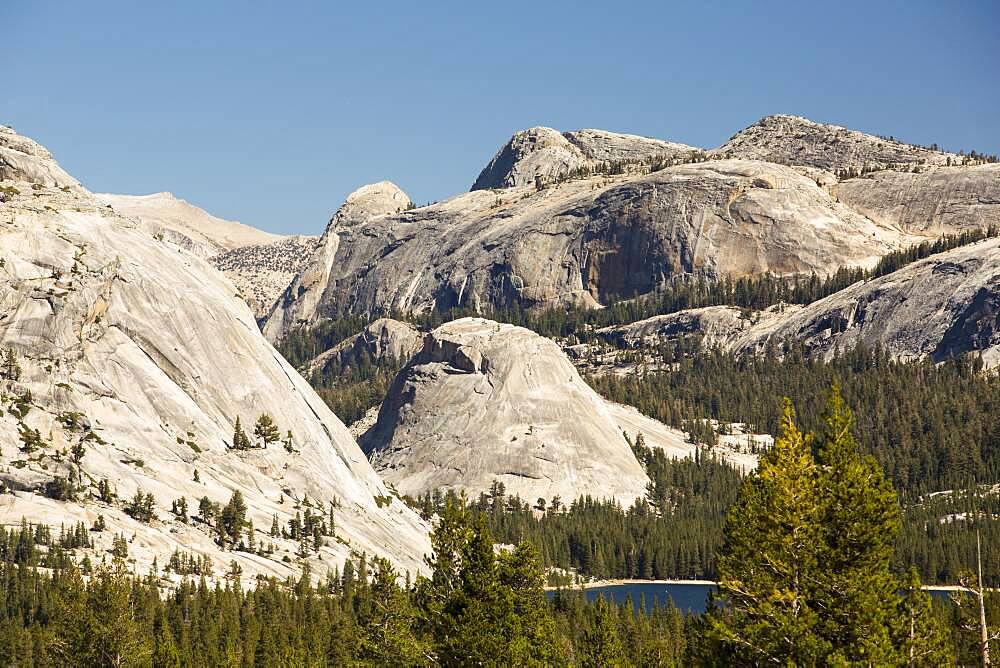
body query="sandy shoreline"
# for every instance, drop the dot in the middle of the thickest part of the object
(596, 584)
(613, 583)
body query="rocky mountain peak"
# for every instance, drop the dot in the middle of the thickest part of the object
(547, 153)
(537, 151)
(794, 140)
(371, 201)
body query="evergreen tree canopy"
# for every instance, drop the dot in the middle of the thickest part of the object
(804, 572)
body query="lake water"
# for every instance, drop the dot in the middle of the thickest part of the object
(693, 597)
(687, 597)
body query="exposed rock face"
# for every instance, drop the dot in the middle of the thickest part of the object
(936, 201)
(793, 140)
(260, 264)
(601, 146)
(718, 326)
(547, 153)
(376, 199)
(533, 152)
(140, 352)
(384, 339)
(939, 307)
(300, 301)
(24, 160)
(484, 401)
(585, 241)
(946, 305)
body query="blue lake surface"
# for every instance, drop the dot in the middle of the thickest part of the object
(693, 597)
(687, 597)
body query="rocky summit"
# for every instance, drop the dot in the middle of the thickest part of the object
(128, 361)
(589, 217)
(543, 154)
(484, 402)
(586, 241)
(793, 140)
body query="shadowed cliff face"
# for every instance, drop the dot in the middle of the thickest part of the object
(581, 242)
(941, 307)
(976, 328)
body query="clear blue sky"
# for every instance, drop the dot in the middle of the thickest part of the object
(271, 114)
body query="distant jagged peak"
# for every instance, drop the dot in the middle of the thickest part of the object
(795, 140)
(547, 153)
(24, 159)
(371, 201)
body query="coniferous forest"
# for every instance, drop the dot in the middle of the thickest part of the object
(927, 434)
(804, 563)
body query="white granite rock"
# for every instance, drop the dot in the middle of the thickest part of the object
(793, 140)
(151, 351)
(484, 402)
(586, 242)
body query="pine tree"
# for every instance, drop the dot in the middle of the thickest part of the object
(233, 518)
(477, 622)
(10, 366)
(770, 558)
(112, 635)
(240, 439)
(165, 654)
(266, 430)
(478, 607)
(925, 641)
(860, 522)
(602, 646)
(448, 540)
(387, 623)
(521, 571)
(805, 569)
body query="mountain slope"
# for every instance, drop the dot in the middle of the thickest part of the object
(484, 402)
(259, 263)
(938, 200)
(139, 352)
(945, 305)
(939, 307)
(186, 225)
(585, 241)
